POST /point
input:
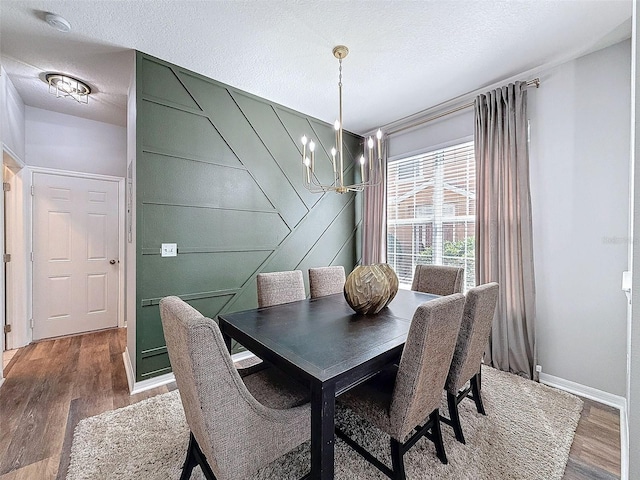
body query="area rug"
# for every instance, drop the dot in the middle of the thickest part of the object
(526, 434)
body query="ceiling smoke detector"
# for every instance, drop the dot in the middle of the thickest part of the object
(57, 22)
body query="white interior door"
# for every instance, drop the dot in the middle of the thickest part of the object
(75, 255)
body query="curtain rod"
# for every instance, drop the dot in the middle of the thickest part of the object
(530, 83)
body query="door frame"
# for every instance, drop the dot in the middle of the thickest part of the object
(121, 230)
(16, 273)
(13, 162)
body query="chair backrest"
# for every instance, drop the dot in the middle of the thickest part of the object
(477, 319)
(424, 363)
(326, 281)
(276, 288)
(214, 398)
(437, 279)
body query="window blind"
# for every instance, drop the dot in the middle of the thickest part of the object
(431, 210)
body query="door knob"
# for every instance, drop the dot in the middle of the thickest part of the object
(112, 262)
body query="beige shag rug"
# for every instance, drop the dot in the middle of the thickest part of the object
(526, 434)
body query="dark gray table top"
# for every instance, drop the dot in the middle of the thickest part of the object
(323, 338)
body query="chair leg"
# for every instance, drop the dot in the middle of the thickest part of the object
(190, 461)
(431, 430)
(397, 460)
(195, 457)
(475, 389)
(437, 437)
(452, 403)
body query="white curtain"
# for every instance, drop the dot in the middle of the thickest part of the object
(504, 249)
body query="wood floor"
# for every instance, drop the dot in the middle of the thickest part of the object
(50, 386)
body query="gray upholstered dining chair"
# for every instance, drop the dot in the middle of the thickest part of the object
(473, 337)
(326, 281)
(275, 288)
(401, 398)
(236, 426)
(437, 279)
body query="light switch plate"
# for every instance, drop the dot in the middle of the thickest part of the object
(169, 250)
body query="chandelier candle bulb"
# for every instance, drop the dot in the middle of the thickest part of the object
(370, 145)
(312, 148)
(362, 168)
(379, 137)
(304, 147)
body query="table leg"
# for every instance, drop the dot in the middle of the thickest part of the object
(323, 404)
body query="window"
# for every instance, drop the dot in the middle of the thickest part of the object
(431, 212)
(409, 170)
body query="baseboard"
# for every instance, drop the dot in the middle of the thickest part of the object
(591, 393)
(606, 398)
(624, 445)
(144, 385)
(161, 380)
(1, 381)
(128, 368)
(236, 357)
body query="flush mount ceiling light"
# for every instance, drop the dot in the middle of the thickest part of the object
(57, 22)
(62, 85)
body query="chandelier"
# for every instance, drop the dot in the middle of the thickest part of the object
(62, 85)
(370, 161)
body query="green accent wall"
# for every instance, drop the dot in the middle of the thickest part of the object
(218, 171)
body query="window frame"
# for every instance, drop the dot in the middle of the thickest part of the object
(453, 224)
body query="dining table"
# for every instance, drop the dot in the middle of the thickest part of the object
(327, 346)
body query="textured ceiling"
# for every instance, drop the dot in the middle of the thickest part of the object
(405, 55)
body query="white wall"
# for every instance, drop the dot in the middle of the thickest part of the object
(64, 142)
(12, 117)
(12, 146)
(633, 394)
(579, 169)
(580, 196)
(441, 133)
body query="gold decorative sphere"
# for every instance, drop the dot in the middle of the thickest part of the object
(393, 281)
(370, 288)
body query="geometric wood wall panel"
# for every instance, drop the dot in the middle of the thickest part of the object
(191, 136)
(218, 172)
(160, 82)
(233, 124)
(178, 181)
(271, 129)
(152, 338)
(212, 230)
(198, 273)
